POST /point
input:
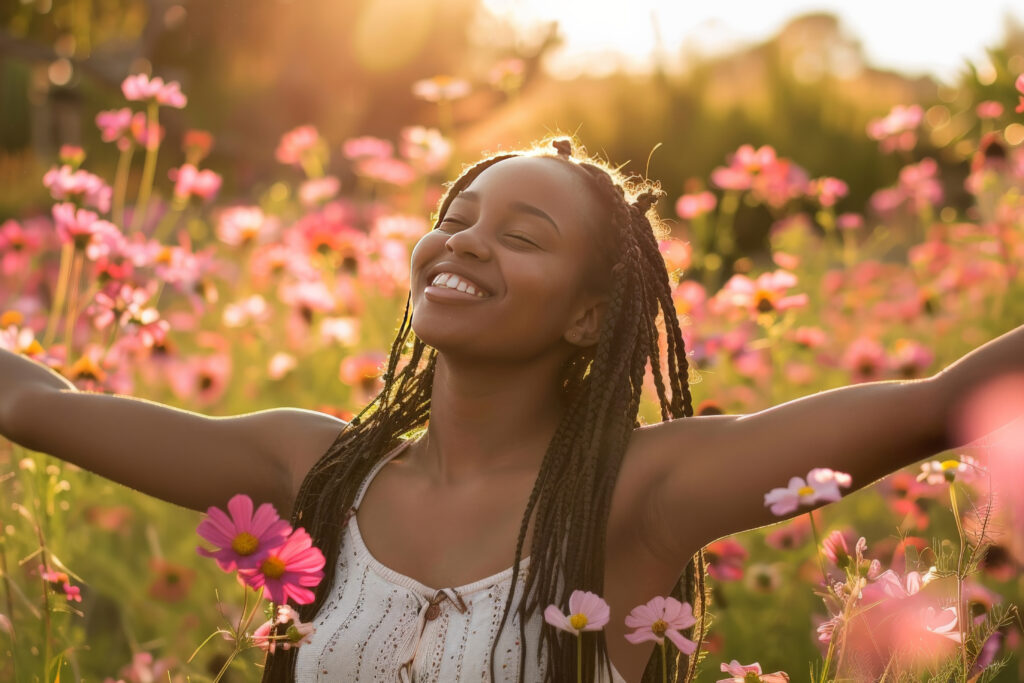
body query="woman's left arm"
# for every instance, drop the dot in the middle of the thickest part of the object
(721, 466)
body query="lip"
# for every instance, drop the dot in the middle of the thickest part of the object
(454, 269)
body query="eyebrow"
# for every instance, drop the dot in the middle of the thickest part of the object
(516, 205)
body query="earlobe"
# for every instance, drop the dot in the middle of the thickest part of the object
(587, 327)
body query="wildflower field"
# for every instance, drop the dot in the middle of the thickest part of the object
(288, 294)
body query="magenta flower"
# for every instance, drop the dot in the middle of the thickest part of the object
(60, 580)
(836, 550)
(827, 190)
(750, 673)
(81, 186)
(289, 570)
(821, 485)
(115, 126)
(662, 617)
(243, 539)
(725, 558)
(865, 359)
(587, 612)
(140, 88)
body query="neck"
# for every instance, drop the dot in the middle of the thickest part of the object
(487, 417)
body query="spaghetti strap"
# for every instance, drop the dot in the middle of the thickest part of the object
(373, 472)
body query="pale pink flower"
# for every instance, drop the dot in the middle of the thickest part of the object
(74, 225)
(289, 570)
(280, 364)
(750, 673)
(809, 337)
(425, 148)
(743, 165)
(865, 359)
(315, 191)
(114, 124)
(80, 186)
(139, 88)
(897, 130)
(190, 181)
(764, 295)
(821, 485)
(827, 190)
(440, 87)
(936, 472)
(660, 617)
(296, 143)
(989, 109)
(690, 206)
(850, 221)
(239, 225)
(246, 311)
(367, 146)
(385, 169)
(242, 539)
(678, 255)
(507, 74)
(910, 359)
(587, 612)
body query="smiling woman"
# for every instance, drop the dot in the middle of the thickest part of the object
(506, 421)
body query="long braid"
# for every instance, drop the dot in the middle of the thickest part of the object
(602, 388)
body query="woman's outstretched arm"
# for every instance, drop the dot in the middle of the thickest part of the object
(179, 456)
(719, 467)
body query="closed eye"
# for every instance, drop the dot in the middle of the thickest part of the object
(523, 239)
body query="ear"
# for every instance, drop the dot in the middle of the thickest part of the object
(585, 327)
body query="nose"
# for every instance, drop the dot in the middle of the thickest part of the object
(469, 242)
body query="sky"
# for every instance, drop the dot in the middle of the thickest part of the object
(908, 35)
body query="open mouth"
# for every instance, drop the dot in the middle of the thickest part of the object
(459, 283)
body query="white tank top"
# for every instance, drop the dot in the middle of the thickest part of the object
(379, 625)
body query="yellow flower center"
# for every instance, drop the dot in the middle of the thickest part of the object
(751, 677)
(578, 621)
(245, 543)
(804, 491)
(950, 464)
(658, 628)
(272, 567)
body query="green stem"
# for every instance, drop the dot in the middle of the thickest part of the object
(69, 324)
(664, 664)
(960, 575)
(9, 599)
(67, 255)
(817, 548)
(149, 168)
(124, 163)
(223, 669)
(579, 657)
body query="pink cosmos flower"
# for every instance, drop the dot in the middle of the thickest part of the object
(190, 181)
(742, 166)
(507, 74)
(750, 673)
(289, 570)
(865, 359)
(662, 617)
(388, 170)
(827, 190)
(60, 580)
(367, 146)
(139, 87)
(114, 124)
(295, 143)
(425, 148)
(964, 469)
(725, 559)
(316, 191)
(790, 534)
(989, 109)
(897, 130)
(1019, 84)
(77, 226)
(835, 549)
(587, 612)
(910, 359)
(440, 87)
(82, 186)
(243, 540)
(239, 225)
(764, 295)
(143, 132)
(690, 206)
(850, 221)
(678, 255)
(821, 485)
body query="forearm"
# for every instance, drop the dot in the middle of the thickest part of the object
(18, 373)
(1001, 357)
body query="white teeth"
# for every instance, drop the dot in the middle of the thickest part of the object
(451, 281)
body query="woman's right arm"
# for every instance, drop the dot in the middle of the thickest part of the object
(176, 455)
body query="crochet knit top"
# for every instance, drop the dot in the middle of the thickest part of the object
(379, 625)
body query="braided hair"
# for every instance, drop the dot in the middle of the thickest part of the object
(602, 386)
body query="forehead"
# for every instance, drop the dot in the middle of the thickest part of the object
(545, 182)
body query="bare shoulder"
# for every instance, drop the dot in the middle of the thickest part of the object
(295, 438)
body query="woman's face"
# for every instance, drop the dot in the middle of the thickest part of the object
(521, 235)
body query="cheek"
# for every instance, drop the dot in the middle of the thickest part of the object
(425, 251)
